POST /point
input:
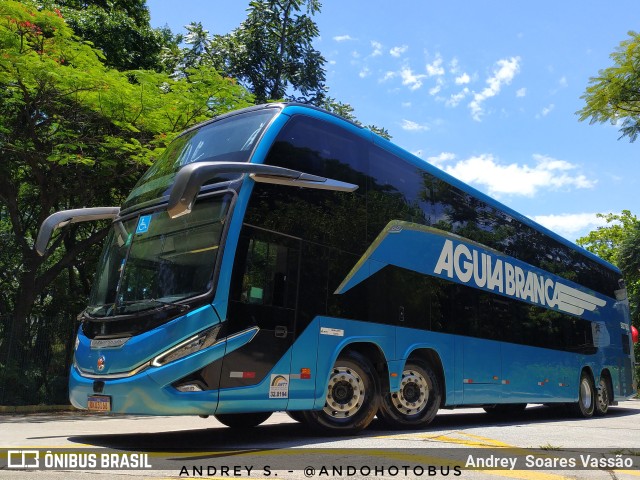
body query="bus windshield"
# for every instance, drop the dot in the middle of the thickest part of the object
(230, 139)
(150, 260)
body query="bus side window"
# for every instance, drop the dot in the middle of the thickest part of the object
(269, 275)
(265, 279)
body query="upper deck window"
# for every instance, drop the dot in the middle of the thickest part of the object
(231, 139)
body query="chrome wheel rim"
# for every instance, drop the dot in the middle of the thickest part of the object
(585, 394)
(413, 395)
(345, 393)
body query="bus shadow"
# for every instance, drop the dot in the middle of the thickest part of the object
(291, 434)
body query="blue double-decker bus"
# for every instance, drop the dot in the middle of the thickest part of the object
(280, 258)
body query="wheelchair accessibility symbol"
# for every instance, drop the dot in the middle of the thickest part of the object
(143, 224)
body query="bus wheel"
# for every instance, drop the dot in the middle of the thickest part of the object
(603, 397)
(586, 397)
(242, 420)
(351, 398)
(417, 401)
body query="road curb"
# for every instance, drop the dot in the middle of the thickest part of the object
(8, 410)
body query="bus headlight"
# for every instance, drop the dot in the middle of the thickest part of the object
(204, 339)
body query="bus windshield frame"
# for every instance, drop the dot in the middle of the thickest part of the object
(151, 261)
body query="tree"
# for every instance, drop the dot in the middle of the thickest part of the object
(272, 53)
(74, 133)
(605, 242)
(614, 94)
(120, 29)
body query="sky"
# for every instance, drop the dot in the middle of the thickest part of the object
(487, 91)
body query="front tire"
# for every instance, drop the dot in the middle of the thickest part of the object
(418, 400)
(242, 420)
(351, 397)
(586, 397)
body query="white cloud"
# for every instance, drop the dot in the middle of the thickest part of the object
(435, 69)
(388, 76)
(456, 98)
(342, 38)
(406, 104)
(563, 82)
(463, 79)
(454, 66)
(546, 111)
(365, 72)
(397, 51)
(514, 179)
(410, 79)
(570, 225)
(440, 160)
(377, 48)
(413, 126)
(438, 86)
(503, 74)
(521, 92)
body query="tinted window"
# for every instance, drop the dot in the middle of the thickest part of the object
(397, 190)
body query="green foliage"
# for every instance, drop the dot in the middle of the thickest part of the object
(606, 241)
(73, 132)
(120, 29)
(271, 52)
(614, 94)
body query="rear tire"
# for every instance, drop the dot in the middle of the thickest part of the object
(351, 397)
(242, 420)
(417, 402)
(603, 397)
(586, 397)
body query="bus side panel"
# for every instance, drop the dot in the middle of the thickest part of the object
(304, 356)
(482, 371)
(538, 375)
(270, 395)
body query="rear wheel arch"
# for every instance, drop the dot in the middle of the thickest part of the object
(432, 357)
(375, 355)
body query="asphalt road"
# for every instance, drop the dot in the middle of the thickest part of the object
(192, 447)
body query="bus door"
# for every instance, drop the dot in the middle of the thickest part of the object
(263, 294)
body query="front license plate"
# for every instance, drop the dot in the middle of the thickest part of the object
(99, 403)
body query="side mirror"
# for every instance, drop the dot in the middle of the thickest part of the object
(65, 217)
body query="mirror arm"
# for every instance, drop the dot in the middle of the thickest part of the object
(191, 177)
(65, 217)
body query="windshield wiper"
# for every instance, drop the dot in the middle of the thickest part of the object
(162, 303)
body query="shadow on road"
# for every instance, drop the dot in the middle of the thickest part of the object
(290, 434)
